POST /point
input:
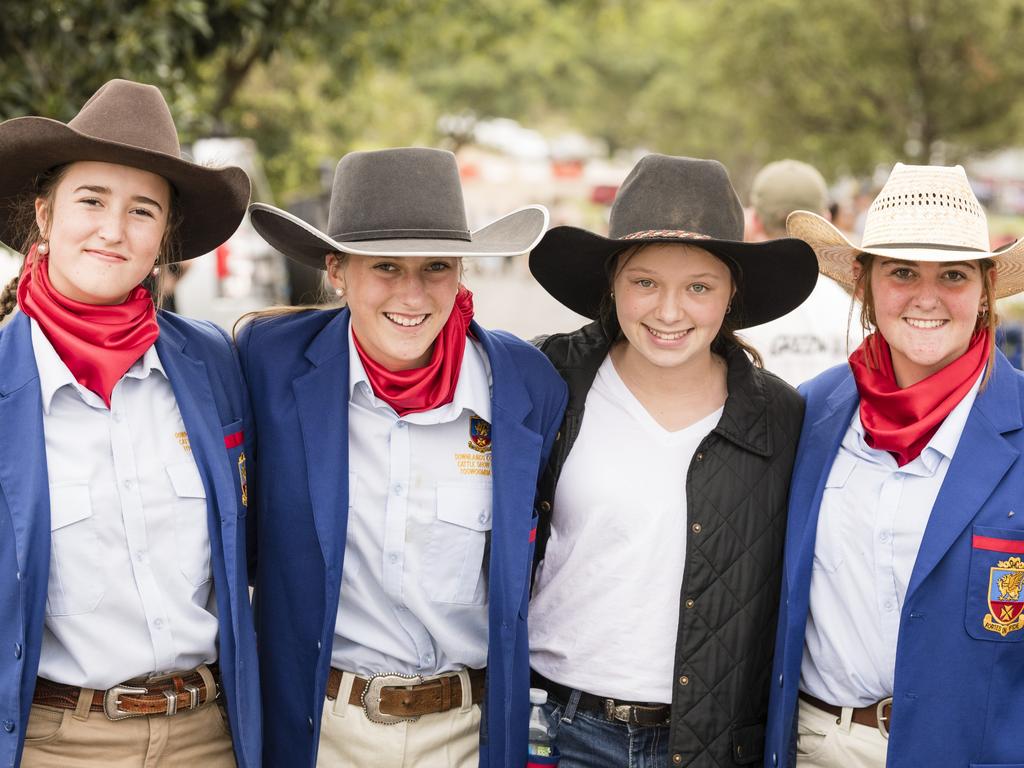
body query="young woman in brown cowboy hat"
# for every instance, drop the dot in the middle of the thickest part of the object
(122, 463)
(401, 445)
(663, 506)
(900, 631)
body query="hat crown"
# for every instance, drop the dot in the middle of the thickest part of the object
(409, 192)
(923, 206)
(125, 112)
(788, 185)
(665, 193)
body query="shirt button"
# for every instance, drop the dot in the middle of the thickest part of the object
(140, 557)
(393, 557)
(400, 425)
(690, 603)
(684, 680)
(128, 484)
(9, 726)
(399, 489)
(158, 623)
(483, 517)
(696, 528)
(884, 536)
(118, 416)
(889, 605)
(17, 650)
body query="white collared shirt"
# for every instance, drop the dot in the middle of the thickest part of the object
(130, 590)
(872, 520)
(414, 584)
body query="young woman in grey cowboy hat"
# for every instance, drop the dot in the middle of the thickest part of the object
(127, 629)
(400, 446)
(900, 631)
(659, 546)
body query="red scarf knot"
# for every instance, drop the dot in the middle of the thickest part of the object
(902, 421)
(98, 343)
(433, 385)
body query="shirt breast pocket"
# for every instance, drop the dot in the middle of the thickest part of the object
(77, 575)
(834, 516)
(995, 592)
(191, 531)
(458, 544)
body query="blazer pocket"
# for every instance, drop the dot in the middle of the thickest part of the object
(995, 590)
(191, 530)
(77, 579)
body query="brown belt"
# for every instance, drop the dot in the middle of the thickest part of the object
(874, 715)
(392, 698)
(164, 695)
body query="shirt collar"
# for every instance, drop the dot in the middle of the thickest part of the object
(54, 373)
(472, 393)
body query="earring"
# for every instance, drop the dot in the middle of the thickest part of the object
(611, 295)
(339, 292)
(728, 308)
(43, 248)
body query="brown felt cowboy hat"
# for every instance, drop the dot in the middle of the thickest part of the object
(130, 124)
(397, 202)
(677, 200)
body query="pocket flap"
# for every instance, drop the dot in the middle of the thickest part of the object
(748, 744)
(465, 505)
(186, 480)
(69, 504)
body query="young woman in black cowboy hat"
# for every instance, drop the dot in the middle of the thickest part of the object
(663, 507)
(122, 464)
(401, 445)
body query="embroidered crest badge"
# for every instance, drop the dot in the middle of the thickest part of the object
(479, 434)
(241, 478)
(1005, 583)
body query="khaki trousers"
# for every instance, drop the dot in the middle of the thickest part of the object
(823, 741)
(80, 738)
(442, 740)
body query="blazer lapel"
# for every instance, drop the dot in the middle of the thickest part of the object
(321, 399)
(981, 459)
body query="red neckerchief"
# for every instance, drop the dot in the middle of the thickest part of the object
(433, 385)
(98, 343)
(902, 421)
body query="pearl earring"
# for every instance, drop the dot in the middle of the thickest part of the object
(43, 248)
(339, 292)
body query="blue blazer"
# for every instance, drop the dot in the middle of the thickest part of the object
(957, 698)
(207, 383)
(297, 369)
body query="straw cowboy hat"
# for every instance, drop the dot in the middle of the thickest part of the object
(130, 124)
(677, 200)
(397, 202)
(923, 213)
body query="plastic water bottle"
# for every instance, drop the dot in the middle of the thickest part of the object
(541, 741)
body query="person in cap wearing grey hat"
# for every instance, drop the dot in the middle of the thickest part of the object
(659, 546)
(400, 445)
(900, 627)
(127, 627)
(814, 336)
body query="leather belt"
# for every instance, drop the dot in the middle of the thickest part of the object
(878, 715)
(163, 695)
(616, 710)
(393, 698)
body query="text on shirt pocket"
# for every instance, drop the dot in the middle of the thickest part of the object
(191, 532)
(76, 582)
(458, 542)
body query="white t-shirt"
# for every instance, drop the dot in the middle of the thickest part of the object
(605, 611)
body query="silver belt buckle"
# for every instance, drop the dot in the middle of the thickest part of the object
(883, 725)
(110, 703)
(371, 696)
(620, 713)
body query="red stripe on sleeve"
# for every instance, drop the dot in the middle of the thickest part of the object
(533, 534)
(1010, 546)
(234, 440)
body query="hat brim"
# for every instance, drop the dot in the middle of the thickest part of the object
(777, 275)
(836, 254)
(512, 235)
(210, 201)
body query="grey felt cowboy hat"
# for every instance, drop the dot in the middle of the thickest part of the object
(397, 202)
(677, 200)
(923, 213)
(126, 123)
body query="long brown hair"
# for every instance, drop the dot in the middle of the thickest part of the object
(726, 338)
(27, 233)
(869, 324)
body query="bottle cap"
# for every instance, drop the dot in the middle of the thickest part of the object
(538, 696)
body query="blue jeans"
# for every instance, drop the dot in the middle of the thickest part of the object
(588, 740)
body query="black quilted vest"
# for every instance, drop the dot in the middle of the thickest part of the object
(736, 491)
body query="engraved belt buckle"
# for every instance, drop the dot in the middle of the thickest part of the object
(883, 724)
(622, 712)
(110, 703)
(372, 693)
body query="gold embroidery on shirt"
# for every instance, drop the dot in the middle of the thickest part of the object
(182, 438)
(474, 463)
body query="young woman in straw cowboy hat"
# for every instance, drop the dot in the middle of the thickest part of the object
(663, 505)
(127, 630)
(402, 445)
(899, 639)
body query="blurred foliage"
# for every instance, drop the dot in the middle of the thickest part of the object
(845, 84)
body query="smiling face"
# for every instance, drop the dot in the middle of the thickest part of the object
(398, 305)
(926, 311)
(104, 224)
(670, 301)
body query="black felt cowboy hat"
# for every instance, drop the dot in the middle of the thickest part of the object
(677, 200)
(397, 202)
(130, 124)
